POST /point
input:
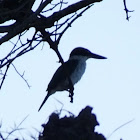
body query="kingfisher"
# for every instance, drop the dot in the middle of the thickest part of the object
(74, 69)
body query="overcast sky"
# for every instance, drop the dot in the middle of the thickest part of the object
(110, 86)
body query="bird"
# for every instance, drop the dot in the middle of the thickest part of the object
(74, 68)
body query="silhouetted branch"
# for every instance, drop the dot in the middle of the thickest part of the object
(23, 51)
(1, 137)
(126, 10)
(7, 135)
(3, 78)
(21, 75)
(54, 6)
(16, 128)
(120, 128)
(69, 24)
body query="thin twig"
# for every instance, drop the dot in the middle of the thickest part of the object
(61, 3)
(126, 10)
(120, 127)
(51, 8)
(10, 53)
(25, 50)
(60, 25)
(16, 128)
(69, 24)
(21, 75)
(4, 75)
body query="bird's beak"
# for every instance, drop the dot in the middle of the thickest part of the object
(96, 56)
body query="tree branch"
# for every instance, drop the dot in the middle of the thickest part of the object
(5, 74)
(69, 24)
(126, 10)
(21, 75)
(49, 21)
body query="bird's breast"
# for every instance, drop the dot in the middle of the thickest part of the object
(78, 72)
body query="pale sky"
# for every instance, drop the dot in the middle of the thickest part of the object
(110, 86)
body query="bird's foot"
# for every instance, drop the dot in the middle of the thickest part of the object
(71, 100)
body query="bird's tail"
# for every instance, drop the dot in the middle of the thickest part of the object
(44, 101)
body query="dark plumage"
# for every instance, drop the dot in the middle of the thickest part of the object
(74, 68)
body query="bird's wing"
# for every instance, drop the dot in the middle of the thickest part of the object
(61, 74)
(58, 78)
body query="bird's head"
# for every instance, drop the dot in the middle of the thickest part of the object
(83, 53)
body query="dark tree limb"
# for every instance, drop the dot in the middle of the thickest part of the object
(49, 21)
(33, 21)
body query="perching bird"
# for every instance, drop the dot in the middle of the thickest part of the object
(75, 68)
